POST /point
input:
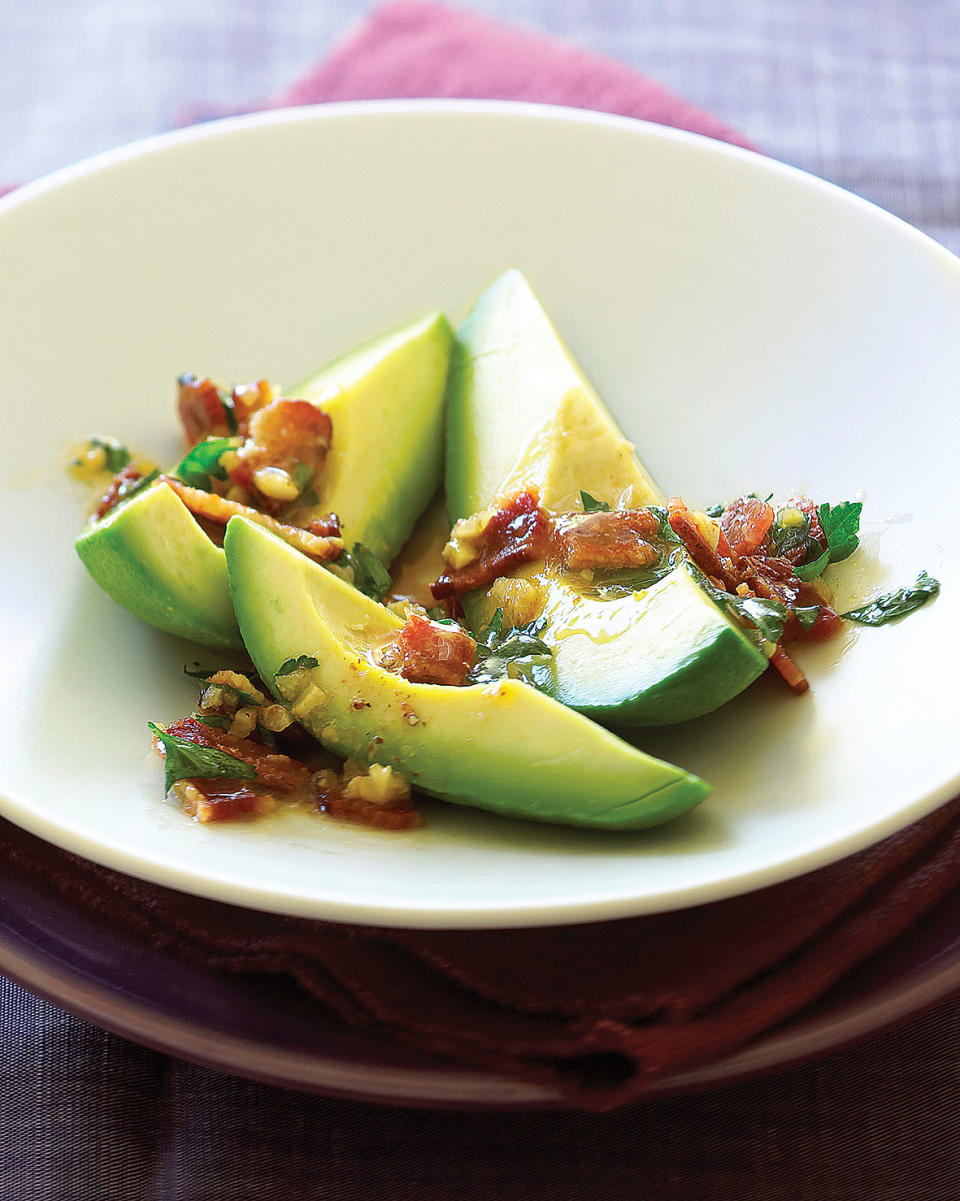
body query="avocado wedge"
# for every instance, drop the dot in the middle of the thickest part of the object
(520, 412)
(503, 747)
(384, 465)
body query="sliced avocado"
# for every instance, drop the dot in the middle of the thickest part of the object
(151, 556)
(521, 412)
(660, 655)
(385, 463)
(503, 747)
(386, 403)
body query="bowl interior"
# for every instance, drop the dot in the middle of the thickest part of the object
(751, 328)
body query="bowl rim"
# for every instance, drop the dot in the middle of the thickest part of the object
(489, 915)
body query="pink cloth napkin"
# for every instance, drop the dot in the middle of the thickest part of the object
(416, 48)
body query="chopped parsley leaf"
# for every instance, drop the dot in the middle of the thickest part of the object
(201, 464)
(300, 663)
(302, 475)
(807, 615)
(592, 505)
(897, 603)
(117, 455)
(369, 575)
(185, 760)
(217, 720)
(516, 653)
(841, 527)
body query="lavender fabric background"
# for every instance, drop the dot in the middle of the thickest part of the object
(863, 92)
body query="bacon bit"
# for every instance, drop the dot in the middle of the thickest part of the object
(221, 800)
(684, 525)
(274, 771)
(519, 531)
(201, 409)
(326, 527)
(811, 510)
(772, 578)
(219, 510)
(745, 524)
(248, 399)
(609, 540)
(367, 813)
(782, 662)
(281, 436)
(428, 653)
(329, 791)
(120, 485)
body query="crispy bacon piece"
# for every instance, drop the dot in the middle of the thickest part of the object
(428, 653)
(782, 662)
(518, 532)
(203, 412)
(772, 577)
(683, 524)
(745, 524)
(606, 540)
(335, 803)
(221, 800)
(282, 435)
(326, 527)
(120, 485)
(275, 772)
(201, 409)
(219, 510)
(812, 511)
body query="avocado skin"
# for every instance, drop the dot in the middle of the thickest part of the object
(681, 656)
(503, 747)
(152, 558)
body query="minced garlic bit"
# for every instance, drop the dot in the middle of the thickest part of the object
(709, 529)
(521, 600)
(232, 694)
(220, 692)
(464, 545)
(276, 483)
(90, 462)
(376, 784)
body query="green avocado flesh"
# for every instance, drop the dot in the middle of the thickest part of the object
(503, 747)
(521, 412)
(151, 556)
(385, 463)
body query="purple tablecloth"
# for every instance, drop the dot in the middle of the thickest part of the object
(866, 93)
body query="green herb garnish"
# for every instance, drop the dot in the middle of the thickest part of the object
(369, 575)
(201, 464)
(715, 510)
(516, 653)
(807, 615)
(217, 720)
(302, 475)
(229, 410)
(841, 527)
(117, 455)
(897, 603)
(185, 760)
(764, 619)
(300, 663)
(592, 505)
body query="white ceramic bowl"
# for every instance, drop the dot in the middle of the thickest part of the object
(751, 327)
